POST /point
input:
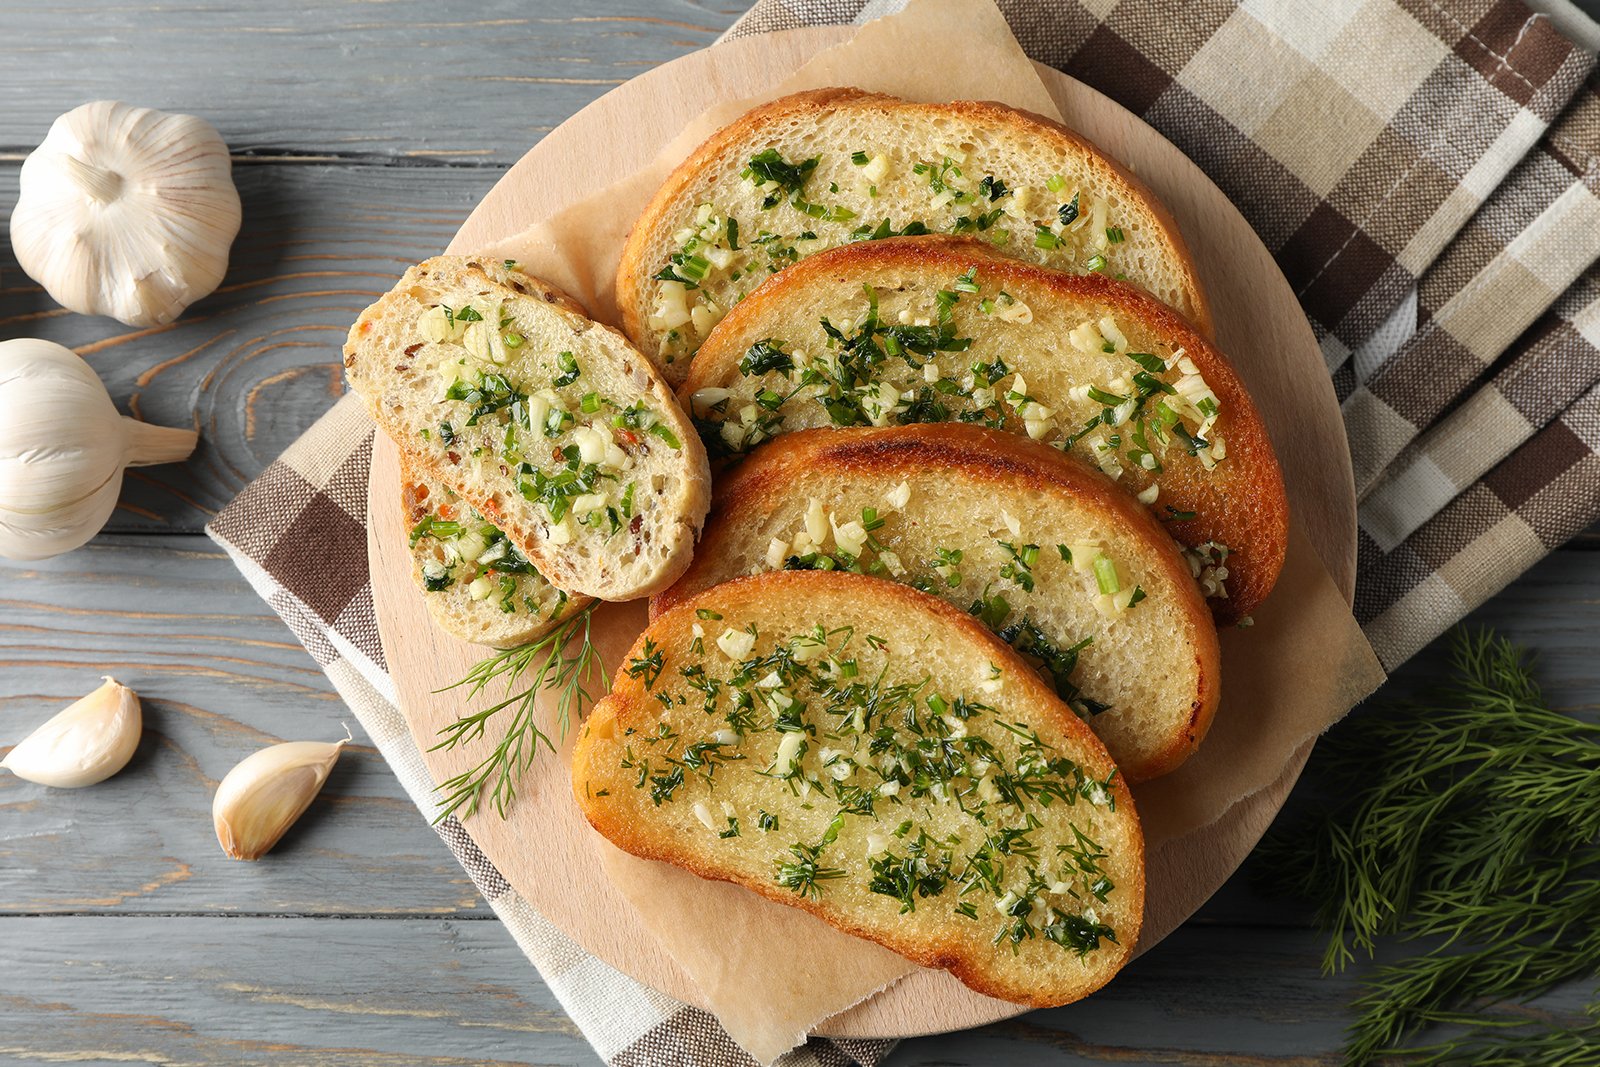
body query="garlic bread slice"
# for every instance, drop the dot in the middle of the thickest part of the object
(1065, 567)
(477, 585)
(549, 424)
(943, 329)
(868, 753)
(828, 167)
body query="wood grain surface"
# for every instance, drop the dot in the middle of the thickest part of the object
(125, 936)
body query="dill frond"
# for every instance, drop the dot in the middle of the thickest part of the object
(522, 673)
(1467, 821)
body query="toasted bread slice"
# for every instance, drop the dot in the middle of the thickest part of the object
(830, 166)
(475, 582)
(873, 755)
(1008, 529)
(550, 425)
(933, 329)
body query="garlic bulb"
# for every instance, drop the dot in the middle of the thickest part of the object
(90, 741)
(266, 792)
(63, 447)
(127, 212)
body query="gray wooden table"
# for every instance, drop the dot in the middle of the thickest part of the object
(364, 132)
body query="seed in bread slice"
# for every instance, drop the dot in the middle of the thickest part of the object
(475, 582)
(830, 166)
(550, 425)
(870, 754)
(1060, 563)
(936, 329)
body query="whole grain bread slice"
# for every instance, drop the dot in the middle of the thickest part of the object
(936, 329)
(549, 424)
(474, 581)
(827, 167)
(1024, 538)
(868, 753)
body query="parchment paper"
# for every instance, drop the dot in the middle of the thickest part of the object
(771, 973)
(964, 51)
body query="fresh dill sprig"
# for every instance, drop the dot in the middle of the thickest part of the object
(1469, 822)
(523, 672)
(1512, 1042)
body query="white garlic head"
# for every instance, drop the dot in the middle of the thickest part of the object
(63, 448)
(126, 211)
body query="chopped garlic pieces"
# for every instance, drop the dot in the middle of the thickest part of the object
(788, 751)
(561, 532)
(816, 521)
(433, 325)
(777, 552)
(1016, 312)
(1109, 330)
(736, 644)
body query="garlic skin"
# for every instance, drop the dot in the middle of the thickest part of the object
(126, 211)
(266, 792)
(91, 740)
(63, 447)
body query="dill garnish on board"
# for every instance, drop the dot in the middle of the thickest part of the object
(1468, 830)
(564, 660)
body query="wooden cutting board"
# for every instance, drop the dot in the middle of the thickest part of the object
(1259, 323)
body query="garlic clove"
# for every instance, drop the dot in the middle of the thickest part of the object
(88, 742)
(266, 792)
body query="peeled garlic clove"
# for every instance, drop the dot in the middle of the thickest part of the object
(87, 743)
(266, 792)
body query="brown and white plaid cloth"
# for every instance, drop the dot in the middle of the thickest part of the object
(1427, 173)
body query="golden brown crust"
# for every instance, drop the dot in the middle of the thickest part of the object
(984, 456)
(1242, 505)
(633, 269)
(628, 705)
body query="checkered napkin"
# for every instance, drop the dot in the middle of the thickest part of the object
(1427, 173)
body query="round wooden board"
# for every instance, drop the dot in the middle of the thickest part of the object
(1259, 323)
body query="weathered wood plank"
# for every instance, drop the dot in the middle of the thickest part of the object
(324, 991)
(265, 991)
(255, 363)
(220, 676)
(406, 80)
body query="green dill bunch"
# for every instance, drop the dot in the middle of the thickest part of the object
(1467, 825)
(875, 756)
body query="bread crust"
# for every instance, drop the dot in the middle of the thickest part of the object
(627, 705)
(1014, 465)
(560, 568)
(1255, 521)
(633, 269)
